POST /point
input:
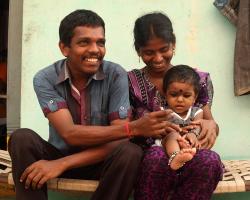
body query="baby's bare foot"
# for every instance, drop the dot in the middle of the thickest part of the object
(181, 157)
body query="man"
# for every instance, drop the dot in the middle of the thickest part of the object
(86, 101)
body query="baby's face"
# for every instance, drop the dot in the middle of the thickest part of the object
(180, 97)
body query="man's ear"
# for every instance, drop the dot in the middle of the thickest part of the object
(64, 49)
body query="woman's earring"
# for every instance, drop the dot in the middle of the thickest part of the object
(174, 51)
(139, 59)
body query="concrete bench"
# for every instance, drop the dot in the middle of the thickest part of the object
(235, 179)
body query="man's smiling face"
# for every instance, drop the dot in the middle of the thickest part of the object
(86, 50)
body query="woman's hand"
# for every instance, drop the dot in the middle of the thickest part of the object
(208, 134)
(40, 172)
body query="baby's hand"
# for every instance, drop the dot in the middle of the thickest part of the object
(192, 139)
(183, 143)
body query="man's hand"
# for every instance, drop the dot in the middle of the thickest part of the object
(154, 124)
(40, 172)
(208, 132)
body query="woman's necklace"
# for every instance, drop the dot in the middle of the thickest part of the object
(154, 81)
(155, 84)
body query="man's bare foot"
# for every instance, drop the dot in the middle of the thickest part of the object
(181, 157)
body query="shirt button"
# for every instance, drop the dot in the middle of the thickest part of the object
(51, 101)
(122, 108)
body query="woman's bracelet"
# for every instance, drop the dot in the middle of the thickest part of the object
(217, 129)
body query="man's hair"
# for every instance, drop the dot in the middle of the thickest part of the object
(78, 18)
(183, 74)
(152, 25)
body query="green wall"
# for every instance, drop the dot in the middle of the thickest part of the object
(205, 39)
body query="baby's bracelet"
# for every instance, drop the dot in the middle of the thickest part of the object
(172, 156)
(196, 131)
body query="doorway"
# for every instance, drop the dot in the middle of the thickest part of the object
(4, 20)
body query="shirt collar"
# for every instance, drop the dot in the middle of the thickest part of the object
(64, 74)
(184, 118)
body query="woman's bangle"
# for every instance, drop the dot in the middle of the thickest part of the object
(217, 129)
(127, 130)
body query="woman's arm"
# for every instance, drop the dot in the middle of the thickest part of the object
(209, 128)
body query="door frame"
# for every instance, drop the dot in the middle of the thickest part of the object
(14, 63)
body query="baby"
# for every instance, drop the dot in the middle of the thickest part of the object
(181, 88)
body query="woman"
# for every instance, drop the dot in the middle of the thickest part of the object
(154, 42)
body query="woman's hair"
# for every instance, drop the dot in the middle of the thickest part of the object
(183, 74)
(78, 18)
(151, 25)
